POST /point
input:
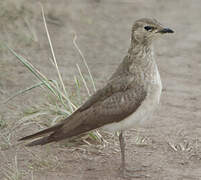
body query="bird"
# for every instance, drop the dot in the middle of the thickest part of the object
(129, 97)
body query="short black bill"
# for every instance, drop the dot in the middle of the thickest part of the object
(165, 30)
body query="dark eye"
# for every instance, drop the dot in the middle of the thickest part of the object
(149, 28)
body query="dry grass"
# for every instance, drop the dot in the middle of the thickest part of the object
(60, 103)
(181, 143)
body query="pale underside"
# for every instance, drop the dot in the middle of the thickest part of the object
(144, 111)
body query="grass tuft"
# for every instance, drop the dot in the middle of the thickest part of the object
(61, 104)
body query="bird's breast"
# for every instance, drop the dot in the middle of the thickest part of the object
(145, 110)
(156, 85)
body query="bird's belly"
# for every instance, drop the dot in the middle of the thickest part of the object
(144, 111)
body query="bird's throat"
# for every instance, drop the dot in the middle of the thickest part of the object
(142, 62)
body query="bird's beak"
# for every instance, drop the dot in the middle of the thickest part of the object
(165, 30)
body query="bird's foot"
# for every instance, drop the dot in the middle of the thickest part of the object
(133, 173)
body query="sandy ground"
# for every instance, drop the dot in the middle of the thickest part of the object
(172, 137)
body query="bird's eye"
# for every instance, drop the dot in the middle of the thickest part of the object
(149, 28)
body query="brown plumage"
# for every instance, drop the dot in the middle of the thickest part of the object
(104, 107)
(130, 97)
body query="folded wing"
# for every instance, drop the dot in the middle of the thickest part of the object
(117, 100)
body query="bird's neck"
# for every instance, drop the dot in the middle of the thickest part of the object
(139, 61)
(142, 62)
(141, 53)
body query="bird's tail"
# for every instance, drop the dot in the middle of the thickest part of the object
(43, 140)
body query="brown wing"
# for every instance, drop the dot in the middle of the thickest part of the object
(117, 100)
(112, 109)
(110, 104)
(116, 85)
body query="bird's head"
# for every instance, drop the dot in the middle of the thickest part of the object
(145, 30)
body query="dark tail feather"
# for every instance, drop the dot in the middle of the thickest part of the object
(41, 133)
(41, 141)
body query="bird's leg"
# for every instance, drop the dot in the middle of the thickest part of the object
(122, 146)
(124, 171)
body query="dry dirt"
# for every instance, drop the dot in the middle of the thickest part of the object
(168, 146)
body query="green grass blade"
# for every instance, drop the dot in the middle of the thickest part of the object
(61, 97)
(24, 91)
(84, 81)
(77, 83)
(54, 59)
(31, 68)
(84, 60)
